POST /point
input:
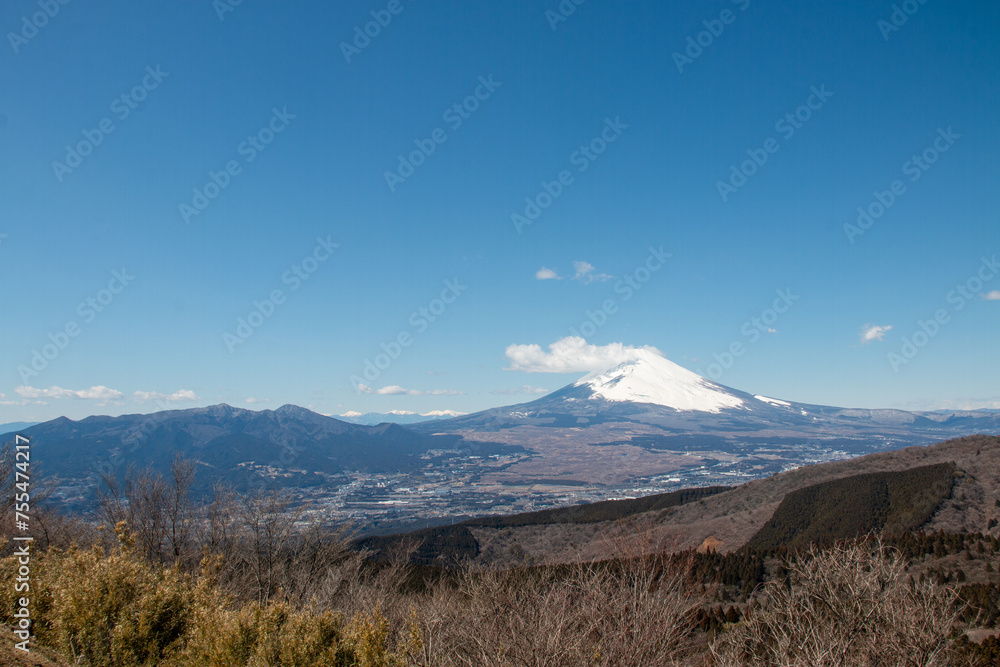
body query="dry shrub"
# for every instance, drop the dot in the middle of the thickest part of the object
(607, 615)
(273, 635)
(118, 609)
(105, 609)
(279, 636)
(847, 605)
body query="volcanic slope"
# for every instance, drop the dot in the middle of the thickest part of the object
(650, 417)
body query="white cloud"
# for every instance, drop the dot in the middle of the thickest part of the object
(396, 390)
(871, 332)
(7, 402)
(176, 397)
(95, 393)
(992, 296)
(252, 399)
(571, 354)
(585, 273)
(546, 273)
(523, 389)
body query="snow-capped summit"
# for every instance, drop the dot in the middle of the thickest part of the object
(650, 378)
(647, 401)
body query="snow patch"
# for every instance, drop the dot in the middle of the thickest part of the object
(772, 401)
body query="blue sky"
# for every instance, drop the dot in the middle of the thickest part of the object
(634, 127)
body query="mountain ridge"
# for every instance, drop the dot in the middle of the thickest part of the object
(590, 440)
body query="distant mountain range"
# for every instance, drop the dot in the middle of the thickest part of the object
(396, 417)
(646, 419)
(290, 447)
(15, 426)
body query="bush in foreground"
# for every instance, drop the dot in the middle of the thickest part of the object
(846, 605)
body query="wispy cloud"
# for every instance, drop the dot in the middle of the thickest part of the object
(176, 397)
(992, 296)
(95, 393)
(585, 273)
(571, 354)
(396, 390)
(523, 389)
(6, 401)
(582, 271)
(873, 332)
(252, 399)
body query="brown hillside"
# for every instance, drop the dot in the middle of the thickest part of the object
(733, 517)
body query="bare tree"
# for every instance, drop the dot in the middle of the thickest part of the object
(219, 525)
(180, 517)
(158, 513)
(847, 605)
(268, 522)
(631, 613)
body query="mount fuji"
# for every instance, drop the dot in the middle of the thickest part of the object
(661, 417)
(655, 380)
